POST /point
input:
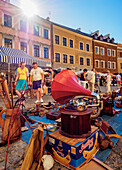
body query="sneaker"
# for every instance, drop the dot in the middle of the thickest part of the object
(37, 101)
(41, 100)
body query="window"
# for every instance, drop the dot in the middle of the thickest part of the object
(87, 47)
(64, 58)
(64, 41)
(81, 61)
(7, 20)
(71, 43)
(81, 46)
(57, 57)
(102, 51)
(56, 39)
(36, 51)
(88, 62)
(96, 50)
(121, 65)
(71, 59)
(113, 53)
(36, 30)
(22, 26)
(46, 52)
(109, 64)
(120, 54)
(8, 43)
(23, 46)
(108, 52)
(46, 33)
(96, 63)
(113, 65)
(102, 64)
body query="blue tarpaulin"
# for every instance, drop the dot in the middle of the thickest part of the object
(9, 55)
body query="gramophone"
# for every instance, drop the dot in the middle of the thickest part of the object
(75, 117)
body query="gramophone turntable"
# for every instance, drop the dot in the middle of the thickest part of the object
(78, 138)
(75, 116)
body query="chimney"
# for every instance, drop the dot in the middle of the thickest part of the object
(106, 36)
(96, 32)
(48, 18)
(78, 29)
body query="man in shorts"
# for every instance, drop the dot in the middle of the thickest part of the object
(38, 78)
(118, 77)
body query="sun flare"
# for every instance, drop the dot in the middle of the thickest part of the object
(29, 8)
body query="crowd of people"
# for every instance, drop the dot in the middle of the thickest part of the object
(38, 80)
(93, 78)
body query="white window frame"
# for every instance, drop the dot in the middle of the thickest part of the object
(69, 43)
(8, 37)
(7, 13)
(86, 61)
(39, 49)
(114, 65)
(83, 60)
(73, 58)
(120, 65)
(59, 38)
(25, 41)
(103, 51)
(33, 29)
(98, 64)
(67, 58)
(103, 63)
(95, 50)
(60, 57)
(47, 28)
(110, 64)
(107, 51)
(114, 53)
(83, 45)
(89, 47)
(46, 46)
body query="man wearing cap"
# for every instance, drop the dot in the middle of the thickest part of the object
(38, 78)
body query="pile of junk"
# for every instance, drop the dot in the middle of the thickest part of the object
(70, 130)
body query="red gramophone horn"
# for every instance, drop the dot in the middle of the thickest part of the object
(65, 87)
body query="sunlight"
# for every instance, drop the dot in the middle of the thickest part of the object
(29, 8)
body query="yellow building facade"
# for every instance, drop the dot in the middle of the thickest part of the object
(71, 48)
(119, 58)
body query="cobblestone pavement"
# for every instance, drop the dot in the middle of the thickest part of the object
(16, 150)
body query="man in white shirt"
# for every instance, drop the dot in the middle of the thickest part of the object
(118, 77)
(38, 78)
(108, 82)
(91, 79)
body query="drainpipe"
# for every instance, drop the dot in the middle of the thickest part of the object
(52, 48)
(93, 52)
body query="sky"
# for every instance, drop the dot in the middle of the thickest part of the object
(89, 15)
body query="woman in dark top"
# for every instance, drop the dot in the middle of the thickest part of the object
(83, 75)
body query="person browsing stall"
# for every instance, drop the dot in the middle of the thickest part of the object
(83, 78)
(91, 79)
(38, 78)
(118, 77)
(22, 75)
